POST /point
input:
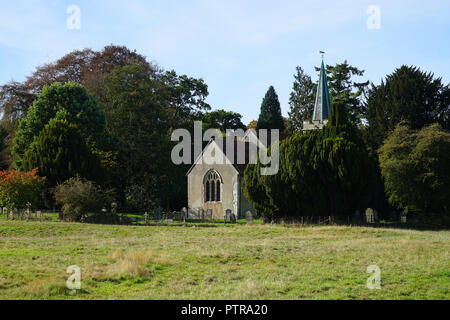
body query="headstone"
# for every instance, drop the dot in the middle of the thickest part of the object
(375, 215)
(403, 217)
(158, 213)
(114, 208)
(183, 214)
(249, 217)
(357, 216)
(370, 216)
(146, 216)
(233, 218)
(209, 214)
(228, 214)
(201, 214)
(191, 214)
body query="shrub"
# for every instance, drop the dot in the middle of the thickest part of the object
(79, 197)
(415, 166)
(21, 189)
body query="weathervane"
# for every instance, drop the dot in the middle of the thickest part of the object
(322, 53)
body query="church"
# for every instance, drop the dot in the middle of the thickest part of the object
(216, 188)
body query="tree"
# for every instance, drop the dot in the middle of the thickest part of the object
(415, 166)
(322, 173)
(60, 152)
(86, 67)
(343, 88)
(408, 94)
(187, 96)
(20, 190)
(223, 120)
(68, 102)
(270, 116)
(137, 117)
(3, 145)
(301, 100)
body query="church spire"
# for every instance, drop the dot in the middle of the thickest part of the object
(322, 105)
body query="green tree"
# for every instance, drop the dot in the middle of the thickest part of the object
(137, 117)
(223, 120)
(270, 116)
(415, 166)
(342, 87)
(408, 94)
(68, 102)
(60, 152)
(3, 145)
(301, 100)
(322, 173)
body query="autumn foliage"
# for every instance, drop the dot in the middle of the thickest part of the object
(21, 189)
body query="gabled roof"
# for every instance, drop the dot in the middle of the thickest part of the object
(222, 147)
(322, 105)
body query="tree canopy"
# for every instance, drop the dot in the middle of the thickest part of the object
(416, 168)
(408, 94)
(270, 116)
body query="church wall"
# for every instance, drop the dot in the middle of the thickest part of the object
(229, 189)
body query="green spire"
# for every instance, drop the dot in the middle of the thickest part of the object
(322, 106)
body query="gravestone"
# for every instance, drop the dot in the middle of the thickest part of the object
(370, 216)
(146, 216)
(201, 214)
(183, 214)
(249, 217)
(357, 216)
(233, 218)
(403, 217)
(228, 214)
(375, 215)
(209, 214)
(158, 213)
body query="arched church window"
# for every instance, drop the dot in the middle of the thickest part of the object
(213, 186)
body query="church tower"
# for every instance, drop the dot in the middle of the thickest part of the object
(322, 104)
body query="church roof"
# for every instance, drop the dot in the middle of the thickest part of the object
(237, 145)
(322, 105)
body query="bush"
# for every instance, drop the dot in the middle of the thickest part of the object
(79, 197)
(21, 190)
(415, 166)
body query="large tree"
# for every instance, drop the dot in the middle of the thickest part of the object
(137, 116)
(301, 100)
(343, 88)
(322, 173)
(68, 102)
(86, 67)
(408, 94)
(60, 152)
(416, 166)
(270, 116)
(223, 120)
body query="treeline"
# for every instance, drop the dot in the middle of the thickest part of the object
(385, 147)
(106, 116)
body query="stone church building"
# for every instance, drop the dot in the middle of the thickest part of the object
(219, 186)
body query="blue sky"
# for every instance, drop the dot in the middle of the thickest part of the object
(239, 48)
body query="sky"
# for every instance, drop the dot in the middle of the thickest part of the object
(239, 48)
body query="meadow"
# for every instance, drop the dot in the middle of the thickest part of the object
(220, 262)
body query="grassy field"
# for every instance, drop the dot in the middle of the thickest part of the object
(216, 262)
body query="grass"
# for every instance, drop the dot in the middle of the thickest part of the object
(217, 262)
